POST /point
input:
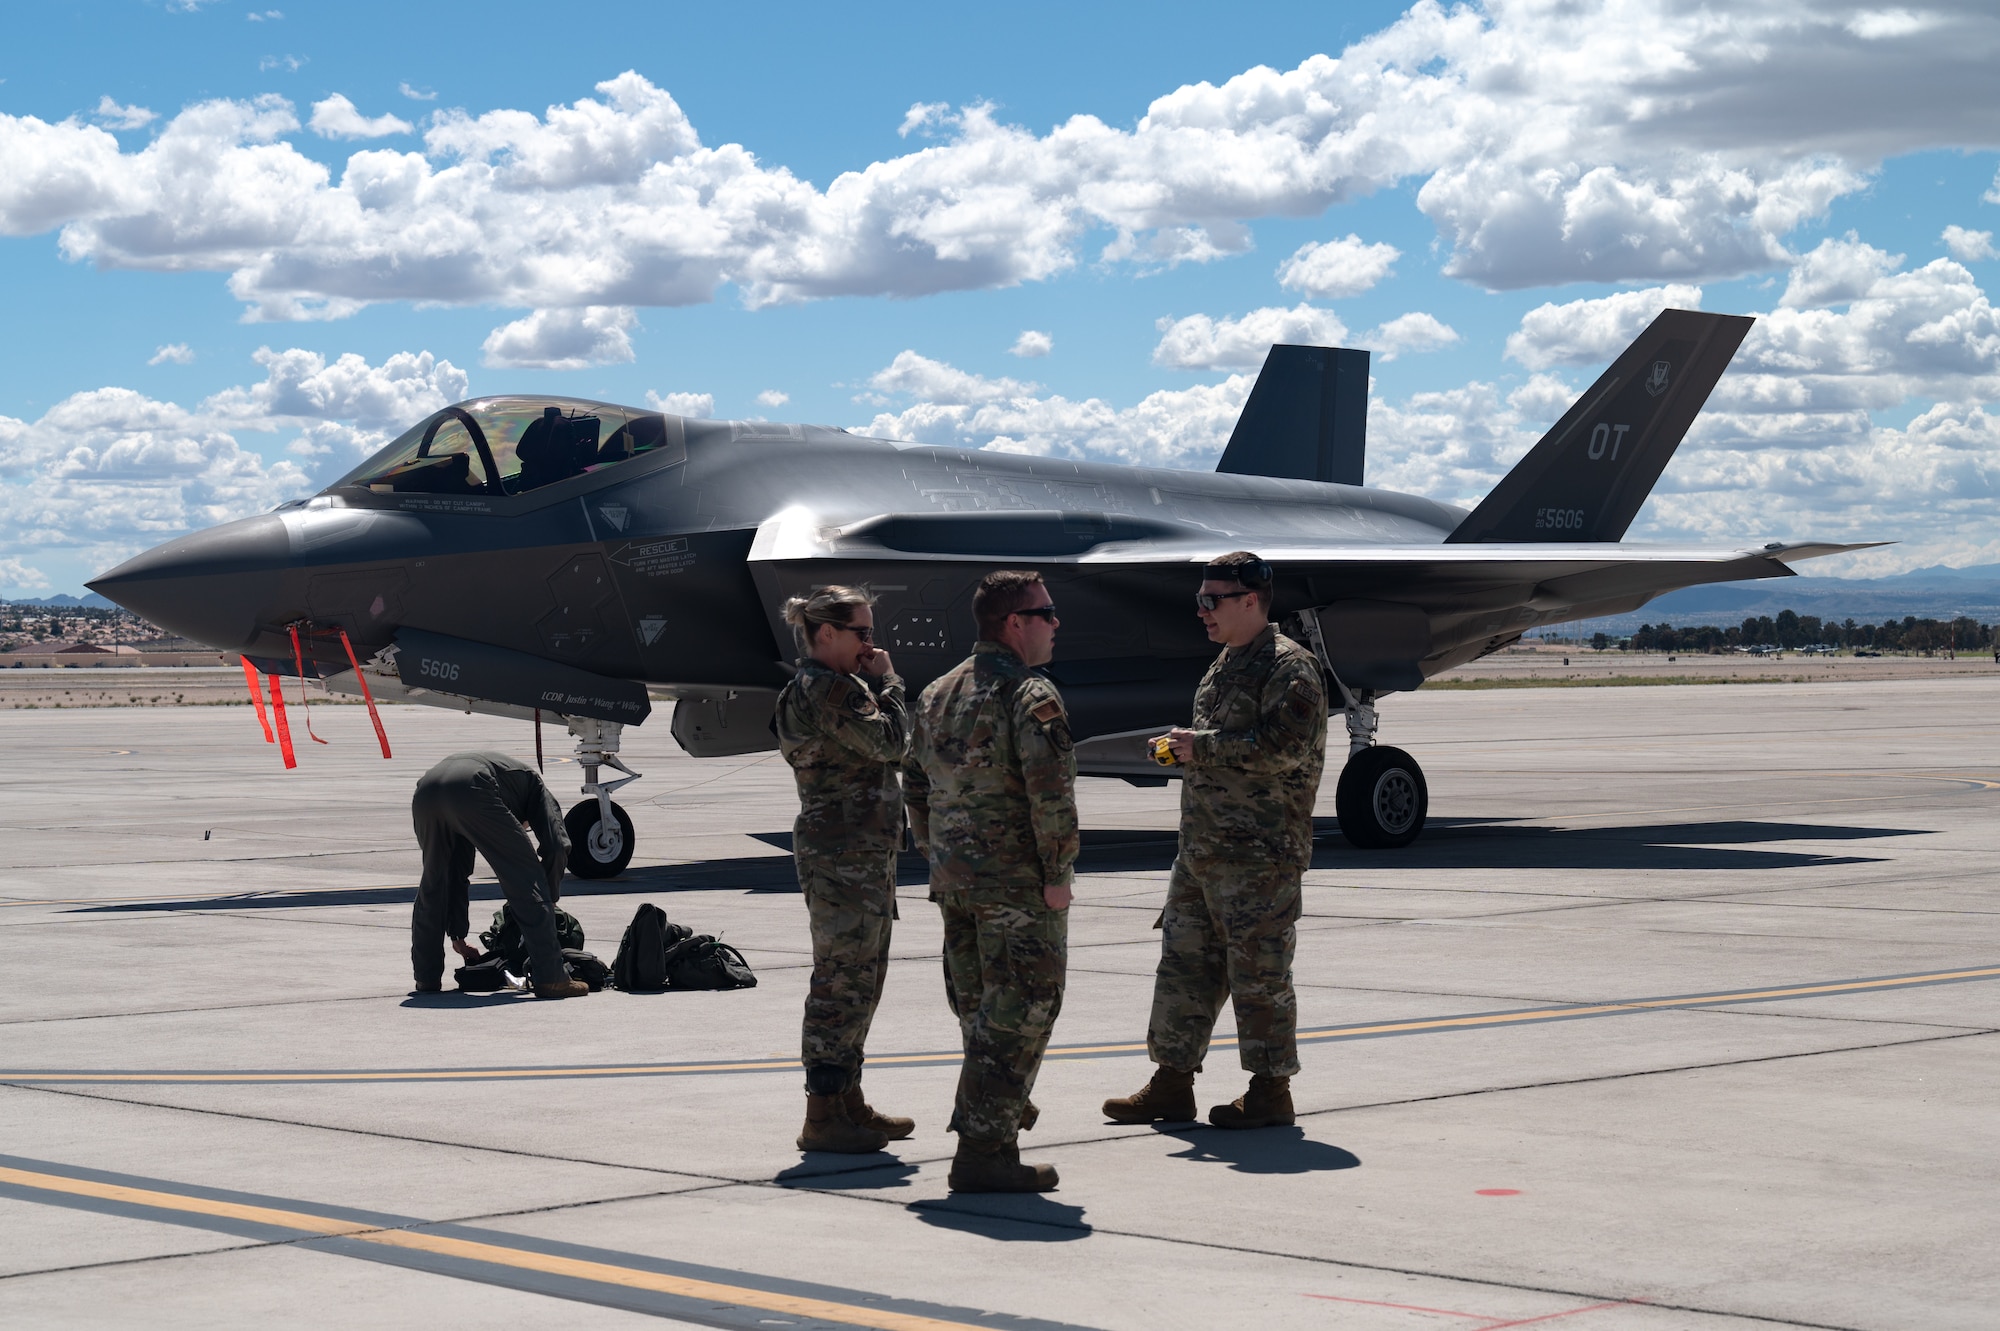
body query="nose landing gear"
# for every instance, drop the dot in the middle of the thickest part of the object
(601, 835)
(1381, 798)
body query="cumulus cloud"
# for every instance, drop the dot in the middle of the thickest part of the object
(700, 406)
(174, 353)
(107, 472)
(1415, 332)
(415, 94)
(291, 64)
(16, 575)
(337, 118)
(1332, 269)
(563, 339)
(110, 114)
(1590, 332)
(1549, 143)
(771, 397)
(1031, 344)
(1969, 246)
(957, 408)
(1835, 272)
(921, 116)
(1199, 342)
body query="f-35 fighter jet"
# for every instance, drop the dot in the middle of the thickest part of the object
(549, 557)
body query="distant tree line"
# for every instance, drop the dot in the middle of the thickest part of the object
(1789, 631)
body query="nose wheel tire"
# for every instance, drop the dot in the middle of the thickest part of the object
(1381, 799)
(598, 850)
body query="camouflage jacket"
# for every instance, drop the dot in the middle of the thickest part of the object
(1259, 745)
(844, 736)
(990, 782)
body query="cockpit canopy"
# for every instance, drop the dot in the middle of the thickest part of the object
(511, 445)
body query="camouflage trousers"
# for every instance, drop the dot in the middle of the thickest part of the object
(851, 901)
(1005, 956)
(1230, 930)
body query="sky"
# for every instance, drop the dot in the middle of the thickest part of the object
(242, 246)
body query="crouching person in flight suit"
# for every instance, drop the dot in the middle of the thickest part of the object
(1252, 761)
(481, 801)
(842, 725)
(990, 785)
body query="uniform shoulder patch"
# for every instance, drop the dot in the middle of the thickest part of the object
(1046, 711)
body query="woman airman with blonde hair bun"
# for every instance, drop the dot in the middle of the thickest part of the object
(842, 725)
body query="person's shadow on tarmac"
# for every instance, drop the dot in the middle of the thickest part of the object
(1013, 1217)
(1279, 1150)
(847, 1172)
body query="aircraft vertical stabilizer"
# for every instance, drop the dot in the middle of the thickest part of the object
(1588, 476)
(1307, 417)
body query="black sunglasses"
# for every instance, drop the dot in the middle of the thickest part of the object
(1214, 600)
(865, 634)
(1047, 612)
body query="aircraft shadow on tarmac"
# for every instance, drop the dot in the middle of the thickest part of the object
(1472, 843)
(1282, 1150)
(1447, 843)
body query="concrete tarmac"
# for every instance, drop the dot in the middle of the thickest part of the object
(1683, 1014)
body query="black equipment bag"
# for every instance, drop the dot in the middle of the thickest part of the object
(641, 964)
(505, 937)
(701, 962)
(488, 975)
(586, 967)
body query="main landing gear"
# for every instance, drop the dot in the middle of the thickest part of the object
(601, 836)
(1381, 799)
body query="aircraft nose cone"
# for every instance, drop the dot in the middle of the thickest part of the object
(212, 586)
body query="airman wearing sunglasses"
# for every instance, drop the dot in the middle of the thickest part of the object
(842, 726)
(990, 785)
(1252, 761)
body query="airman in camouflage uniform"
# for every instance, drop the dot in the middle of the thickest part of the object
(990, 785)
(842, 725)
(1252, 761)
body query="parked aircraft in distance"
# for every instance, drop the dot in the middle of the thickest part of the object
(531, 556)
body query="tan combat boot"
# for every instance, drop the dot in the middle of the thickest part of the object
(562, 989)
(996, 1167)
(1268, 1103)
(828, 1128)
(863, 1114)
(1167, 1098)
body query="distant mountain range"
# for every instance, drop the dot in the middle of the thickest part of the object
(91, 601)
(1928, 593)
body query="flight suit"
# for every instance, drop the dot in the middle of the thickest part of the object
(1230, 924)
(844, 736)
(990, 787)
(478, 801)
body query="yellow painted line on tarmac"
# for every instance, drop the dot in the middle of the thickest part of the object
(1470, 1021)
(520, 1259)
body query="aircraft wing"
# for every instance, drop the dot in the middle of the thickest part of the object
(1394, 614)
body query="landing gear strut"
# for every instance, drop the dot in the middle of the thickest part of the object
(1381, 799)
(601, 836)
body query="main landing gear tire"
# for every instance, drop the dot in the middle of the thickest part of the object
(1381, 799)
(597, 851)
